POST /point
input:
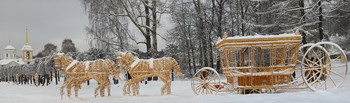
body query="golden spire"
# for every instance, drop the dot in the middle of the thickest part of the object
(27, 36)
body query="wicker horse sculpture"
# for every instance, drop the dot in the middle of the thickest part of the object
(141, 69)
(79, 72)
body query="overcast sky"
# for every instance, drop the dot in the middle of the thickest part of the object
(48, 21)
(51, 21)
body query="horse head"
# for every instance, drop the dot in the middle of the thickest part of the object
(176, 68)
(61, 61)
(112, 68)
(124, 60)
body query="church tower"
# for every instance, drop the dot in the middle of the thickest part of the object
(27, 51)
(10, 52)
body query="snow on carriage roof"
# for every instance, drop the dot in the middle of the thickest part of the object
(259, 36)
(60, 54)
(263, 36)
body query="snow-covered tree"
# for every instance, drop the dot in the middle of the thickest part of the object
(107, 19)
(68, 46)
(49, 49)
(309, 16)
(106, 29)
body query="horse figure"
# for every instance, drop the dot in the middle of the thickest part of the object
(79, 72)
(140, 69)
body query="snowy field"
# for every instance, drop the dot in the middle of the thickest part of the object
(150, 93)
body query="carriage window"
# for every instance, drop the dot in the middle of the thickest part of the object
(222, 58)
(279, 56)
(257, 56)
(266, 57)
(290, 55)
(231, 57)
(239, 58)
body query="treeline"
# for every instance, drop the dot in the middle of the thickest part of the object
(43, 67)
(197, 24)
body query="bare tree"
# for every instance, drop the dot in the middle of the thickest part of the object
(107, 30)
(309, 16)
(145, 15)
(108, 19)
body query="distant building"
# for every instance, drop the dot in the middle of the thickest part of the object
(10, 52)
(27, 51)
(10, 58)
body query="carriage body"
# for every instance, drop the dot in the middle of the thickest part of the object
(254, 63)
(260, 61)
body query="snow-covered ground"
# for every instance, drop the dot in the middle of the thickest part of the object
(181, 93)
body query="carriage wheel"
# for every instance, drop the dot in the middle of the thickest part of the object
(328, 68)
(206, 81)
(297, 77)
(254, 91)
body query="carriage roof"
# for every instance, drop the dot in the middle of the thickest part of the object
(259, 40)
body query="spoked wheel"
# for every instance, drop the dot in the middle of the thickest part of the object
(327, 66)
(254, 91)
(296, 76)
(269, 91)
(206, 81)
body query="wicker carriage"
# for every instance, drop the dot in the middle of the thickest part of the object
(256, 63)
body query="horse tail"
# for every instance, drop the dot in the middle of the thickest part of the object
(176, 67)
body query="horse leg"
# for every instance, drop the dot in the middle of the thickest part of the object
(109, 89)
(62, 87)
(134, 89)
(76, 89)
(169, 87)
(125, 88)
(96, 89)
(128, 88)
(108, 85)
(104, 84)
(137, 88)
(69, 87)
(102, 90)
(168, 84)
(164, 86)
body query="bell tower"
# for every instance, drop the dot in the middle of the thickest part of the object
(27, 51)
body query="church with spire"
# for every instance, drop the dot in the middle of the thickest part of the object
(10, 57)
(27, 51)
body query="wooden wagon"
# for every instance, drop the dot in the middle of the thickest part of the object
(265, 63)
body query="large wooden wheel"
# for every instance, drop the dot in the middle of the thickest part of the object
(296, 76)
(324, 66)
(206, 81)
